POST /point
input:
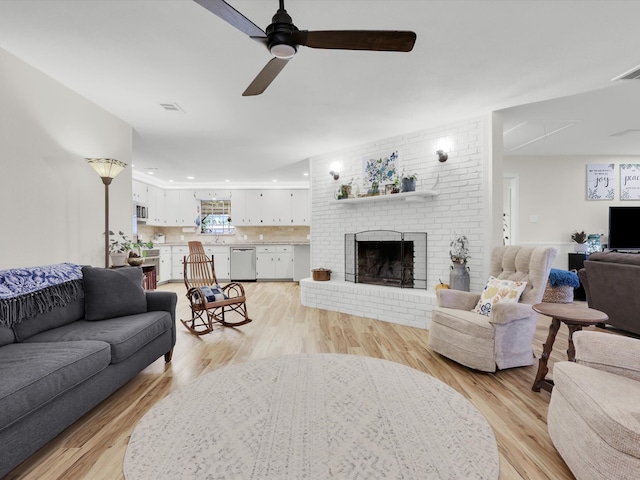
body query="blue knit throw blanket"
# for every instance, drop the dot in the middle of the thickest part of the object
(559, 278)
(27, 292)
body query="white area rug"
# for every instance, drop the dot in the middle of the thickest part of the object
(317, 416)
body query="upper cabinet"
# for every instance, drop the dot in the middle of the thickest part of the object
(259, 207)
(155, 206)
(139, 190)
(273, 208)
(300, 207)
(181, 208)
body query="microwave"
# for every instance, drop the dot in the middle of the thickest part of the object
(141, 212)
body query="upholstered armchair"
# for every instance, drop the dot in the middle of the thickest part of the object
(594, 412)
(504, 338)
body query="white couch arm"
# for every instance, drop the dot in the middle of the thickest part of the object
(608, 352)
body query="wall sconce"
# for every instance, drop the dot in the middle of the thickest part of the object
(107, 168)
(335, 167)
(443, 147)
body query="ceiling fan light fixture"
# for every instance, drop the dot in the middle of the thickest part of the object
(283, 50)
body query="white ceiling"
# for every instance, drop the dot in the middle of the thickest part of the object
(470, 58)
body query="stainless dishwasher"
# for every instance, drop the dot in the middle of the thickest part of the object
(243, 264)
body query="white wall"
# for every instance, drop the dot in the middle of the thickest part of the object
(553, 189)
(552, 200)
(51, 200)
(460, 207)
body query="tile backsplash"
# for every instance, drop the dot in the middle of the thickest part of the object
(269, 235)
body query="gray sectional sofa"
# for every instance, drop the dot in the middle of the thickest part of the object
(69, 337)
(611, 281)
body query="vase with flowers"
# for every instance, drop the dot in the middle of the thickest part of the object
(459, 254)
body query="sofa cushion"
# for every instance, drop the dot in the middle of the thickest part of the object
(607, 402)
(126, 335)
(46, 321)
(35, 373)
(6, 336)
(111, 293)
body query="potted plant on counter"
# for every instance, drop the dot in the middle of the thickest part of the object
(119, 248)
(136, 258)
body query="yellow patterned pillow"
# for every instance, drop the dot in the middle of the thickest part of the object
(498, 291)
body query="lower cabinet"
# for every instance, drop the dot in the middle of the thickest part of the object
(274, 262)
(177, 259)
(164, 273)
(220, 261)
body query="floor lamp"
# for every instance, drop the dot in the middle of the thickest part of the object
(107, 168)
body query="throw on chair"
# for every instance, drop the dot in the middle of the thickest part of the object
(211, 303)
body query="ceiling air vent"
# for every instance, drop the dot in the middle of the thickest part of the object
(172, 107)
(633, 74)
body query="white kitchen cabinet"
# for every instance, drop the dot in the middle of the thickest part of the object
(165, 274)
(177, 257)
(155, 206)
(239, 213)
(300, 211)
(180, 208)
(274, 262)
(220, 260)
(268, 207)
(139, 191)
(276, 207)
(284, 262)
(213, 194)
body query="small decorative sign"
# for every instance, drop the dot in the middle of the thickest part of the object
(600, 182)
(630, 181)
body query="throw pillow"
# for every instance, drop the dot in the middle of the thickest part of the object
(498, 291)
(110, 293)
(213, 293)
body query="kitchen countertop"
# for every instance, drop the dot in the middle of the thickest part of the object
(229, 244)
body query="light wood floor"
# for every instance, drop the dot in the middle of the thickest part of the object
(94, 447)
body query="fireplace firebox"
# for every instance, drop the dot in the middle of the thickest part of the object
(386, 257)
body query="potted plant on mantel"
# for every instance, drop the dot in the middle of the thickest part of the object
(409, 182)
(580, 239)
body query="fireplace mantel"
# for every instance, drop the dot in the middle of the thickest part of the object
(406, 196)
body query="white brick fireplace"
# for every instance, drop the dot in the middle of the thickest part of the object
(461, 203)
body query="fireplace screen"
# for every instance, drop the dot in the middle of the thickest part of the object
(385, 257)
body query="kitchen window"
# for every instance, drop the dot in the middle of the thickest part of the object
(216, 217)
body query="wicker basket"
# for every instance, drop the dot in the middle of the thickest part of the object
(560, 294)
(321, 274)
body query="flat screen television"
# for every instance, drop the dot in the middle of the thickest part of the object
(623, 228)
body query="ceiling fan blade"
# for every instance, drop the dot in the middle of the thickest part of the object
(378, 40)
(266, 76)
(233, 17)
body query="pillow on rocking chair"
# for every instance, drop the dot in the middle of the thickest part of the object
(213, 293)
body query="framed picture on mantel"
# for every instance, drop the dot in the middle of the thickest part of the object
(600, 182)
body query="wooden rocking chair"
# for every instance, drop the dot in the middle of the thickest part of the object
(199, 272)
